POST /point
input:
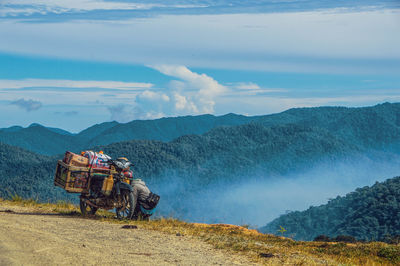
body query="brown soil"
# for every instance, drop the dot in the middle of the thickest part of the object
(31, 238)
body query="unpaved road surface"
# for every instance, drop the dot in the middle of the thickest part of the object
(28, 238)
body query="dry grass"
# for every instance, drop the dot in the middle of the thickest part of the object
(260, 248)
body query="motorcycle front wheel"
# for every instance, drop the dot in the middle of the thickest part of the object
(86, 208)
(127, 208)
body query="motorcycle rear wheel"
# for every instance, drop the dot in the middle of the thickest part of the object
(86, 209)
(126, 211)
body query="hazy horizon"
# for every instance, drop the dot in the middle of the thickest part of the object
(107, 121)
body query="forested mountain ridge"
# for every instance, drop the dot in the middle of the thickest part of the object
(28, 174)
(166, 129)
(274, 144)
(374, 126)
(368, 213)
(371, 126)
(51, 141)
(39, 139)
(233, 152)
(223, 153)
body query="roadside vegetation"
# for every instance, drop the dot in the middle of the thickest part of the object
(260, 248)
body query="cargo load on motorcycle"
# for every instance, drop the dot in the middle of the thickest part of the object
(73, 172)
(104, 183)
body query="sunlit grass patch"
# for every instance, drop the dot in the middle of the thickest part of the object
(24, 202)
(16, 198)
(391, 253)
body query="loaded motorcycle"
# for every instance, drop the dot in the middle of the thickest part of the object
(102, 183)
(109, 192)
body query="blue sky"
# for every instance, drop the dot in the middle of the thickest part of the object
(71, 64)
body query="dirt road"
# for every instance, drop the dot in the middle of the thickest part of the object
(28, 238)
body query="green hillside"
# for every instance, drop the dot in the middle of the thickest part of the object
(368, 213)
(39, 139)
(269, 146)
(28, 174)
(52, 141)
(374, 127)
(232, 152)
(226, 152)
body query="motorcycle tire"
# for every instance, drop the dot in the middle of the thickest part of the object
(86, 209)
(126, 211)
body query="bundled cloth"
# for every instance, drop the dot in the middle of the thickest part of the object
(97, 160)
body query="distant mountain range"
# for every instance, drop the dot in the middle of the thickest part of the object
(51, 141)
(368, 213)
(181, 156)
(234, 152)
(234, 146)
(369, 126)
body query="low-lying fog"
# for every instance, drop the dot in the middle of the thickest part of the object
(259, 199)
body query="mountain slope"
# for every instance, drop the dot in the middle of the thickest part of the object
(375, 126)
(39, 139)
(233, 152)
(274, 144)
(225, 153)
(51, 141)
(165, 129)
(28, 174)
(368, 213)
(96, 130)
(190, 165)
(271, 145)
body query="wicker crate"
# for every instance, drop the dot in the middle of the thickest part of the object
(72, 178)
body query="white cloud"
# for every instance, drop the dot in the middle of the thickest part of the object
(153, 96)
(249, 88)
(207, 86)
(323, 41)
(183, 104)
(30, 83)
(152, 115)
(152, 104)
(194, 92)
(246, 86)
(145, 105)
(122, 113)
